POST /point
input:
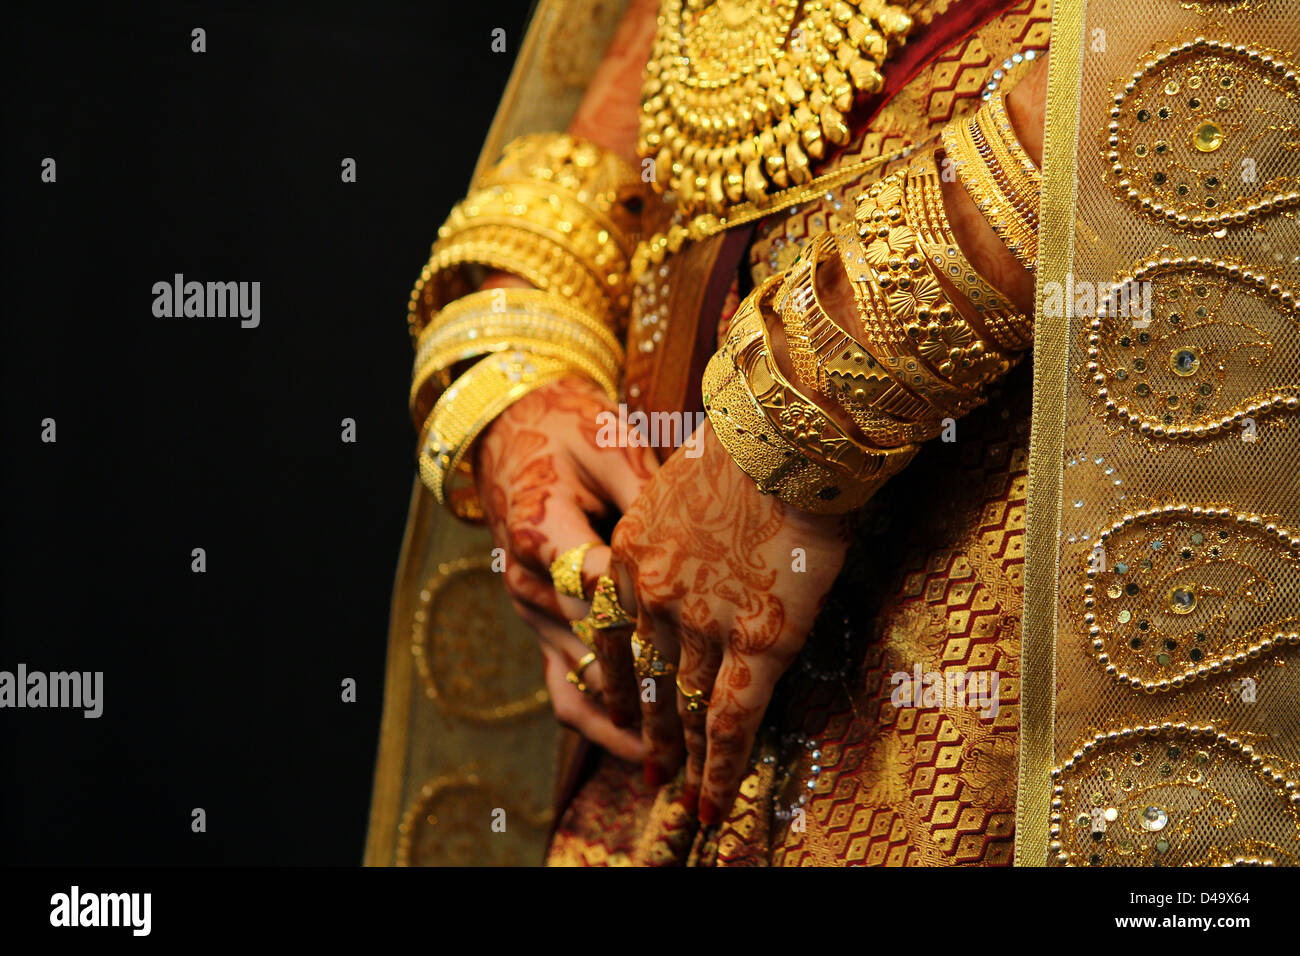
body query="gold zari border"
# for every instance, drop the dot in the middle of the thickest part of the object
(1047, 437)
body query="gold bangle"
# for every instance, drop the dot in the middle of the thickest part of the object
(496, 306)
(499, 319)
(558, 211)
(1006, 326)
(579, 363)
(778, 437)
(1023, 176)
(1011, 214)
(840, 367)
(900, 273)
(506, 248)
(888, 311)
(464, 410)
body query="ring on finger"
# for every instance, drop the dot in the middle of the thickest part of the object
(583, 629)
(696, 700)
(574, 676)
(606, 611)
(647, 660)
(566, 571)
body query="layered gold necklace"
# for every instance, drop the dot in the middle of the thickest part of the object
(740, 94)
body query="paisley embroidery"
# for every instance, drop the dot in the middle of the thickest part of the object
(1173, 794)
(1180, 593)
(1176, 348)
(1188, 128)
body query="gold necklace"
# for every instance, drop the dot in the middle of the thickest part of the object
(739, 94)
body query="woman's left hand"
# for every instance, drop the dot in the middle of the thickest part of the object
(728, 583)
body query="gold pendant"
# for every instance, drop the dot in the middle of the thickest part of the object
(741, 95)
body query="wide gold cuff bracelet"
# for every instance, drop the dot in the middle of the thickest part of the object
(776, 435)
(464, 410)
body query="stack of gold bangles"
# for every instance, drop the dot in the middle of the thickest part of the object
(929, 334)
(999, 175)
(779, 437)
(557, 211)
(562, 214)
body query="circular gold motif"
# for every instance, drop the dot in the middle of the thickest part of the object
(472, 661)
(1197, 172)
(739, 94)
(448, 823)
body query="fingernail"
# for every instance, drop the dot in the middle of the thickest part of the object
(691, 797)
(652, 774)
(709, 813)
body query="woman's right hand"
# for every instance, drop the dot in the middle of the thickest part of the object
(543, 476)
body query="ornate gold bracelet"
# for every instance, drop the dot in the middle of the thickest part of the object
(512, 248)
(1008, 329)
(580, 363)
(557, 211)
(776, 435)
(1002, 193)
(833, 362)
(898, 270)
(1024, 176)
(908, 322)
(494, 320)
(464, 410)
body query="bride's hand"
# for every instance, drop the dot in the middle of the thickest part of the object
(727, 582)
(543, 478)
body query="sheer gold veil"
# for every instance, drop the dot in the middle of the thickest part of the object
(467, 749)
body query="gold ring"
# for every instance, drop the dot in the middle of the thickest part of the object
(582, 628)
(566, 571)
(606, 611)
(574, 676)
(696, 700)
(647, 660)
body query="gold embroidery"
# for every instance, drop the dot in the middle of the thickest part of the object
(1188, 128)
(451, 822)
(1189, 364)
(1169, 794)
(1182, 593)
(470, 663)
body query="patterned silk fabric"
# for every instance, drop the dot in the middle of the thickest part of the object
(842, 775)
(934, 581)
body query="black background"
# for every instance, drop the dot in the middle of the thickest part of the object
(222, 690)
